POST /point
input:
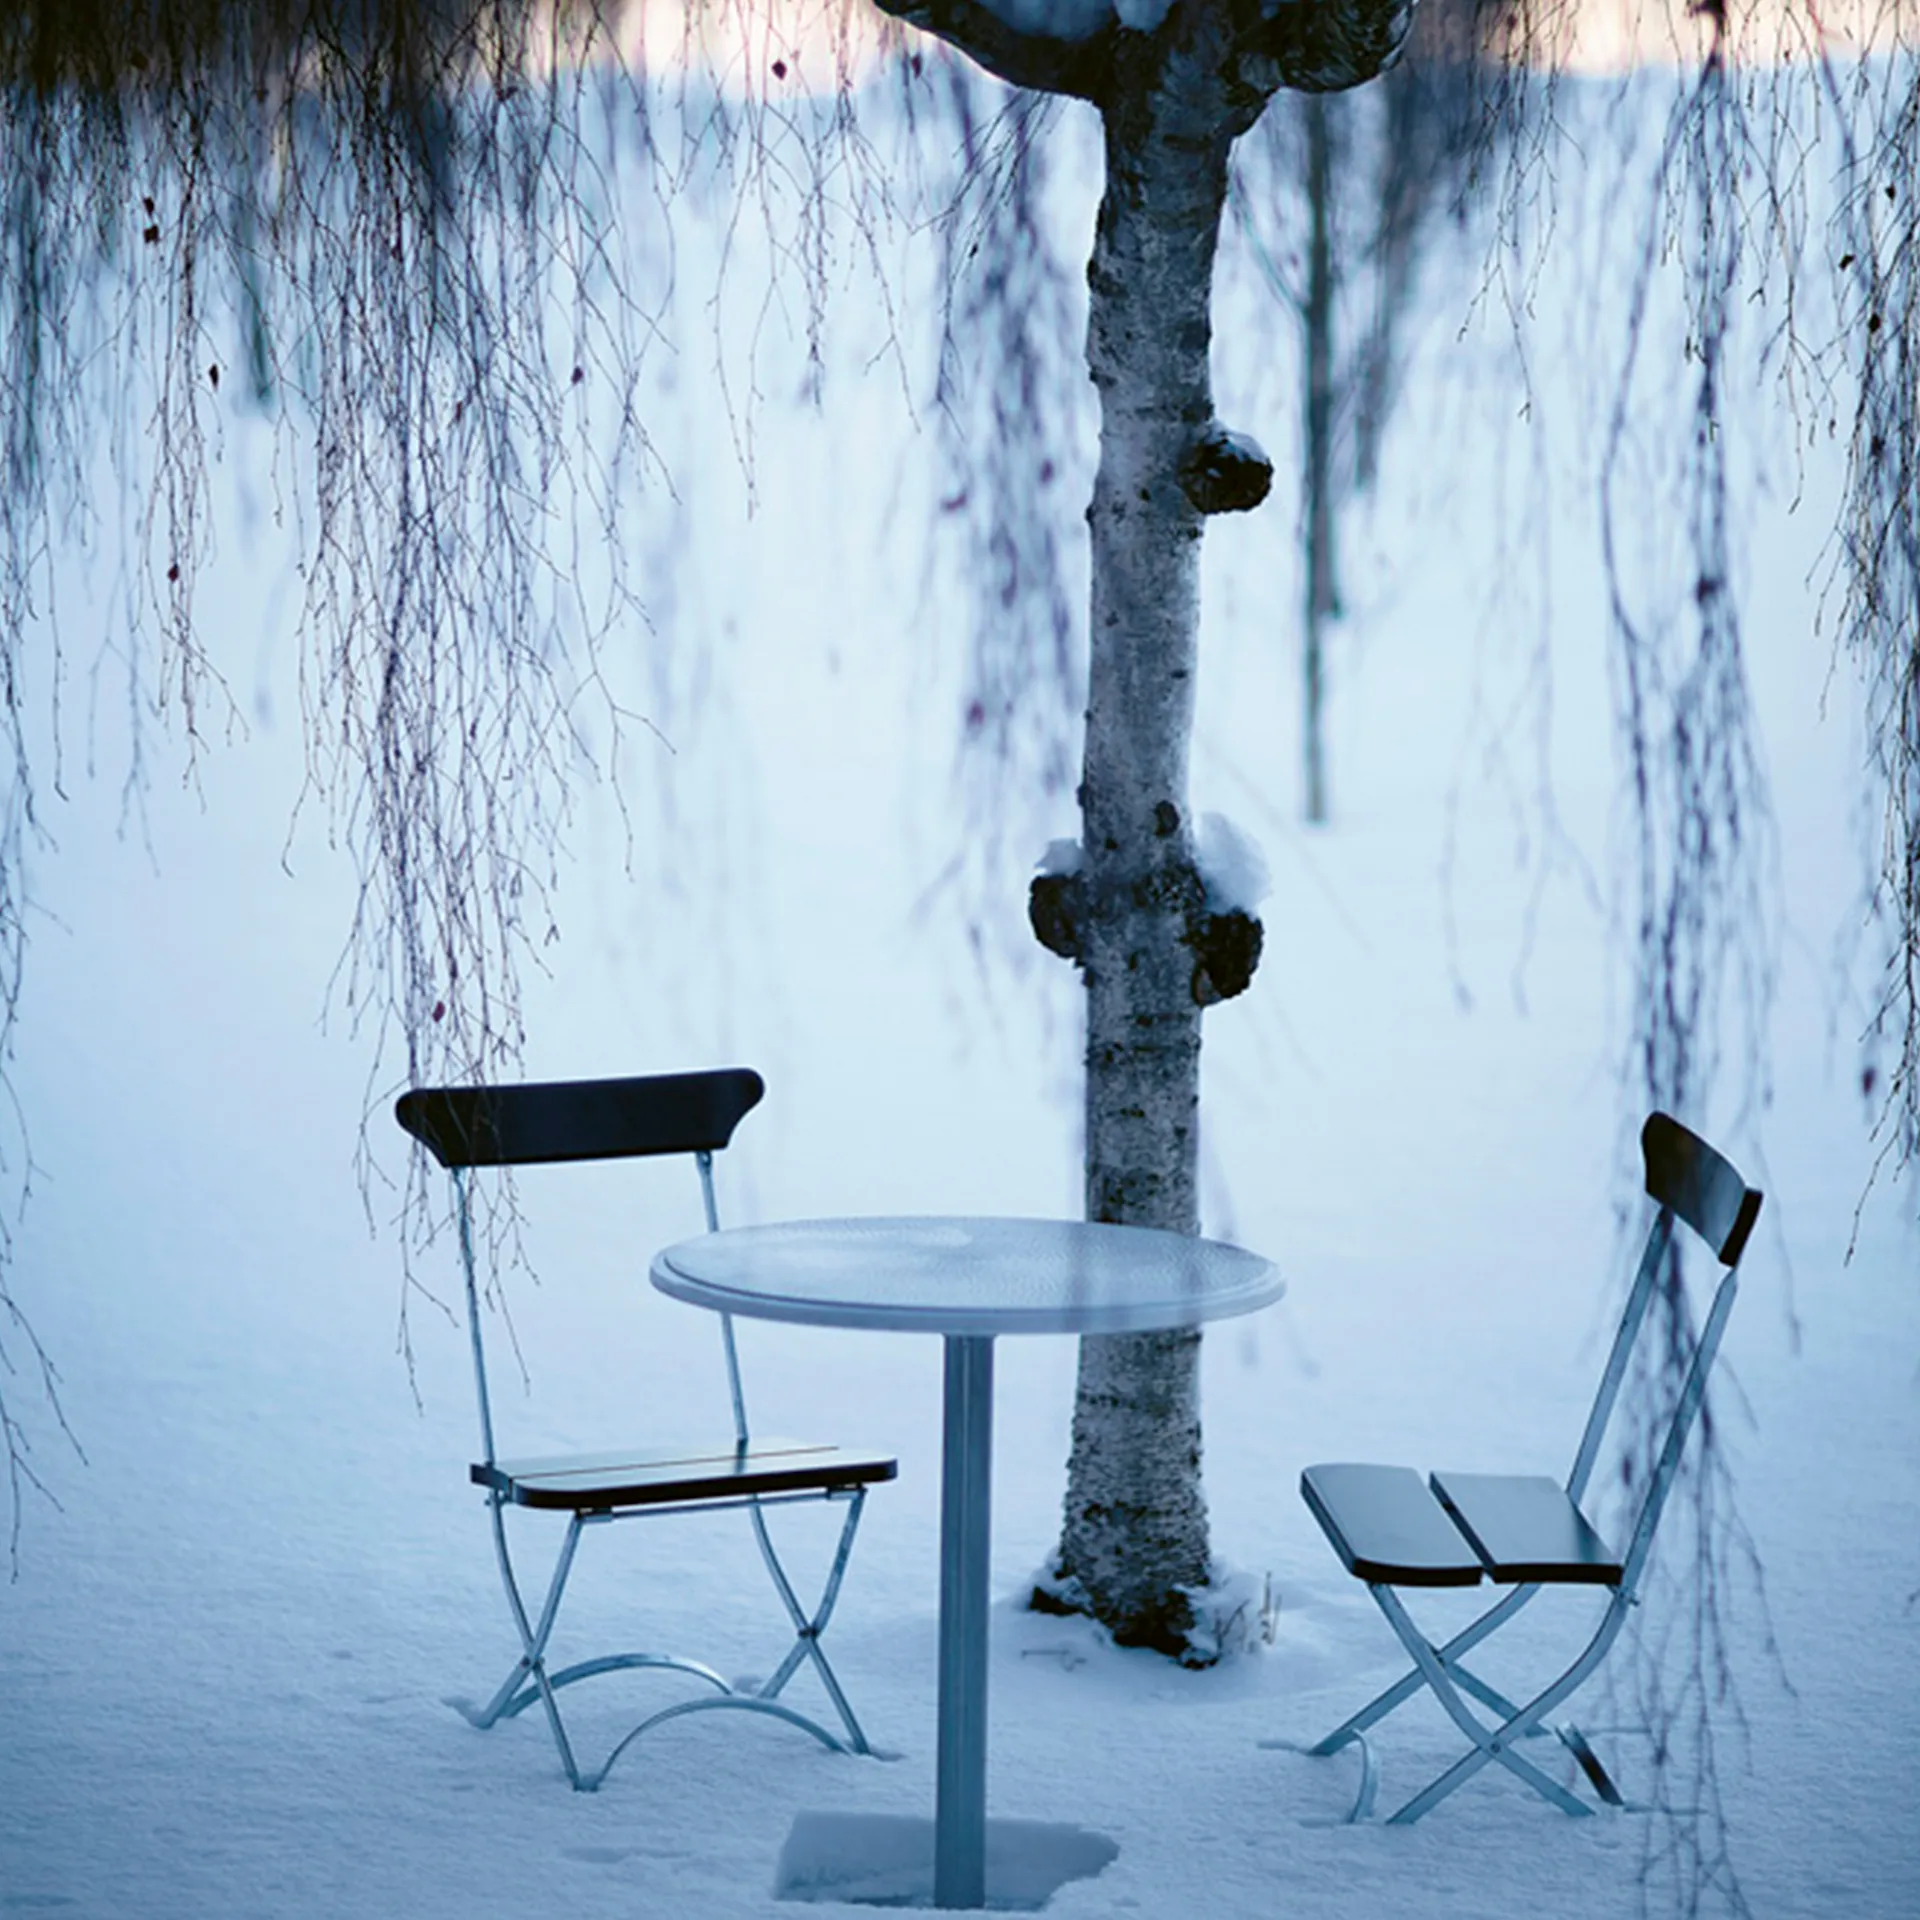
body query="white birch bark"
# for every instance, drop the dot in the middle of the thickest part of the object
(1135, 1530)
(1134, 1542)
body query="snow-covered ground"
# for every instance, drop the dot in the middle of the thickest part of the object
(226, 1660)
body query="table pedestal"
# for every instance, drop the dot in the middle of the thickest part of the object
(964, 1860)
(967, 1280)
(966, 1504)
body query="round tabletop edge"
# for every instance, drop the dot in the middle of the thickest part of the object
(1252, 1283)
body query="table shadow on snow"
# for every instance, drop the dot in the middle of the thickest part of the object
(886, 1860)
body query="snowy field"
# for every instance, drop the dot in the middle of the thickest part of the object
(225, 1662)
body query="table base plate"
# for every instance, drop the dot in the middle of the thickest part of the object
(886, 1860)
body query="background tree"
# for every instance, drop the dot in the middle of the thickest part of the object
(1339, 198)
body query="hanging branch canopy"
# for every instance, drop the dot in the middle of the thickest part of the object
(387, 193)
(441, 242)
(428, 239)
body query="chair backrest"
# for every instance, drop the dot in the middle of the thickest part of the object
(546, 1121)
(1691, 1182)
(1690, 1179)
(580, 1119)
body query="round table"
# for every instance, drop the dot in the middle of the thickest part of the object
(968, 1280)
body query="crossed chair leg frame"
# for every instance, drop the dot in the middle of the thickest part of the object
(530, 1679)
(1442, 1670)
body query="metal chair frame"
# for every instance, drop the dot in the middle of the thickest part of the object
(473, 1137)
(1690, 1182)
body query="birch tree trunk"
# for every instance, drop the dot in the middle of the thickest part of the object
(1135, 1532)
(1172, 101)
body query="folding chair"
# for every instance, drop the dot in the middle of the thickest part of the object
(1526, 1532)
(696, 1113)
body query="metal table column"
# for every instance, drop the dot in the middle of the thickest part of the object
(966, 1495)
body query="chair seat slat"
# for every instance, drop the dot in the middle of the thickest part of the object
(1525, 1528)
(677, 1476)
(1385, 1525)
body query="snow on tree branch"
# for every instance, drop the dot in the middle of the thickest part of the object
(1068, 46)
(1008, 40)
(1328, 46)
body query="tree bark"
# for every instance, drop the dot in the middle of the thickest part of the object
(1133, 1548)
(1134, 1539)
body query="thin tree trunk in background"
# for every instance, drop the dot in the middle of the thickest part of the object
(1321, 593)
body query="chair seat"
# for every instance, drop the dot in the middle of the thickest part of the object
(1524, 1527)
(1386, 1526)
(661, 1476)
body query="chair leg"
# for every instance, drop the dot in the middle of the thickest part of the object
(807, 1630)
(806, 1645)
(1489, 1743)
(1411, 1682)
(1352, 1731)
(723, 1703)
(1565, 1732)
(615, 1663)
(530, 1680)
(1575, 1743)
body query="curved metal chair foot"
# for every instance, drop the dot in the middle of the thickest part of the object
(1575, 1743)
(1369, 1781)
(1369, 1768)
(607, 1663)
(736, 1702)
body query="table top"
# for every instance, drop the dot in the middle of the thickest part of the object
(967, 1276)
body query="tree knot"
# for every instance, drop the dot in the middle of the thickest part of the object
(1226, 949)
(1225, 472)
(1225, 946)
(1053, 911)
